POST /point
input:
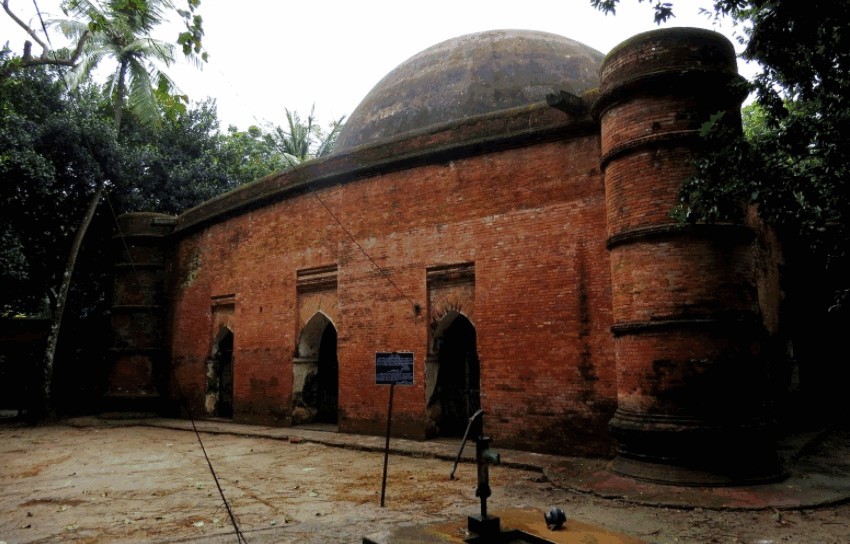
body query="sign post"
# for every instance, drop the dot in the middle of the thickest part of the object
(392, 368)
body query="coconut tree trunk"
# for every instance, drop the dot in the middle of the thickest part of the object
(46, 407)
(119, 96)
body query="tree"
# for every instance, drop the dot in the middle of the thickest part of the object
(795, 165)
(250, 155)
(52, 149)
(32, 106)
(305, 140)
(189, 39)
(792, 163)
(186, 160)
(120, 30)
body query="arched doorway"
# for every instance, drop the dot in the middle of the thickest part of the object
(220, 376)
(327, 378)
(456, 393)
(316, 373)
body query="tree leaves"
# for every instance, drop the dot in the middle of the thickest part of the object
(793, 161)
(663, 10)
(305, 140)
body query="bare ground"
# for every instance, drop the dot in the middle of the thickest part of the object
(142, 484)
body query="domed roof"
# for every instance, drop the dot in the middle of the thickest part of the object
(468, 76)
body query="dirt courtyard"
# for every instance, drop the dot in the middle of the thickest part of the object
(60, 483)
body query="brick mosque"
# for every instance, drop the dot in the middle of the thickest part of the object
(498, 206)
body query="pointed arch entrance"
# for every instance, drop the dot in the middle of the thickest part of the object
(457, 381)
(219, 401)
(315, 387)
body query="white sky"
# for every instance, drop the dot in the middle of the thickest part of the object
(267, 55)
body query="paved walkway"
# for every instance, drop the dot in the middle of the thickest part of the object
(818, 465)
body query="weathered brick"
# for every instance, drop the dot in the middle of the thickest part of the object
(550, 233)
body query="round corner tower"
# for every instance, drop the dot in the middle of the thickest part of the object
(138, 312)
(687, 325)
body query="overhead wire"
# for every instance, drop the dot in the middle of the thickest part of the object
(313, 191)
(239, 534)
(182, 399)
(357, 244)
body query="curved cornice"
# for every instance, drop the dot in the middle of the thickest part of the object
(483, 134)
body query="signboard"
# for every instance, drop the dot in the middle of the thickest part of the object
(394, 368)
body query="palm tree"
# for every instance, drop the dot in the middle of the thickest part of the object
(305, 140)
(118, 30)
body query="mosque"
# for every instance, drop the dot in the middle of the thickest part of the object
(497, 210)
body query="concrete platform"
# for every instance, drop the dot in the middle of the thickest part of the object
(527, 520)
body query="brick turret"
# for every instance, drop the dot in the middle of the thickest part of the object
(685, 304)
(138, 312)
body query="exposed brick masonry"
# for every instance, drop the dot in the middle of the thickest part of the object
(546, 229)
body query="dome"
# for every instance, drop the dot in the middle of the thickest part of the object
(468, 76)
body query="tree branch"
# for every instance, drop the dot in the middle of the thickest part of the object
(46, 57)
(26, 27)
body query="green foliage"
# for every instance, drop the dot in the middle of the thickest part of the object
(185, 161)
(47, 174)
(304, 140)
(793, 160)
(119, 31)
(55, 146)
(250, 155)
(663, 10)
(190, 39)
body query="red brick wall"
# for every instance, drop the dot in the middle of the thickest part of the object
(683, 277)
(532, 220)
(642, 188)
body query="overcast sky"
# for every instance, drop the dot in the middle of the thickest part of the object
(267, 55)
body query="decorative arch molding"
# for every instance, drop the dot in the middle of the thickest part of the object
(315, 370)
(311, 336)
(222, 308)
(317, 293)
(451, 295)
(451, 292)
(441, 324)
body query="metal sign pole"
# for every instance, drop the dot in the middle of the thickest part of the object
(392, 368)
(387, 446)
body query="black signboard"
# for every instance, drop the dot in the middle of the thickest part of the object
(394, 368)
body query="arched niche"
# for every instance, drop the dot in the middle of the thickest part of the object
(452, 375)
(219, 396)
(315, 373)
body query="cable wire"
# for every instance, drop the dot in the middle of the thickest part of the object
(356, 243)
(182, 399)
(240, 536)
